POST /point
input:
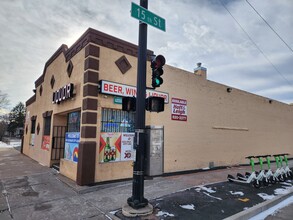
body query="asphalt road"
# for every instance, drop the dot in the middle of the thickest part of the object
(212, 201)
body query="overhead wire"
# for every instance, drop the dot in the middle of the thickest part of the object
(260, 50)
(269, 25)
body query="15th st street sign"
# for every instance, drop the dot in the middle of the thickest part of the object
(147, 17)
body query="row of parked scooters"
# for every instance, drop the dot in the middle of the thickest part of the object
(265, 177)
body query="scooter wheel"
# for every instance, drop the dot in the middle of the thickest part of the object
(230, 178)
(256, 184)
(265, 182)
(272, 180)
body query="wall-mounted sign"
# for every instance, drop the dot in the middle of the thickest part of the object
(118, 89)
(115, 146)
(117, 100)
(63, 93)
(46, 142)
(179, 109)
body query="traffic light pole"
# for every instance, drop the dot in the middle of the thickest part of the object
(137, 199)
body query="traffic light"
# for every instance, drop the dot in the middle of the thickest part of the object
(155, 104)
(157, 70)
(129, 104)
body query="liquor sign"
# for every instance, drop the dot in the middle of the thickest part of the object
(179, 109)
(63, 93)
(112, 88)
(71, 146)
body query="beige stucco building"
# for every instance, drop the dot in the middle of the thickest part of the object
(75, 117)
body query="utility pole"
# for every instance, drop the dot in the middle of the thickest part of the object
(137, 199)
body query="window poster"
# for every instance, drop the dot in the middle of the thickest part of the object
(110, 147)
(127, 146)
(46, 142)
(32, 139)
(71, 146)
(116, 146)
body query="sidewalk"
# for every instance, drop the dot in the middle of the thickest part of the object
(38, 192)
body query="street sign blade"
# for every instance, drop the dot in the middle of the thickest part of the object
(147, 17)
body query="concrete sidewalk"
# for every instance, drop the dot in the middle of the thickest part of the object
(38, 192)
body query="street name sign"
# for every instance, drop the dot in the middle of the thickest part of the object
(147, 17)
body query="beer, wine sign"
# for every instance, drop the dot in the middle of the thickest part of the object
(63, 93)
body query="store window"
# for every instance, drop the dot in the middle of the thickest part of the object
(115, 120)
(33, 128)
(73, 122)
(47, 125)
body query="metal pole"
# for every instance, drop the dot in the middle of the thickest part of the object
(137, 199)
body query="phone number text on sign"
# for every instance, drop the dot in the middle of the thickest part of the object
(179, 109)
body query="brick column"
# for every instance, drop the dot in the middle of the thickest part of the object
(88, 142)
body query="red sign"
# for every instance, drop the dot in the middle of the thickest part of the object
(179, 109)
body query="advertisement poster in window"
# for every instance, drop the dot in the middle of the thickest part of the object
(110, 147)
(127, 146)
(71, 146)
(46, 142)
(32, 140)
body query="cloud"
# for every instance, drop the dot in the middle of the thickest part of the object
(197, 31)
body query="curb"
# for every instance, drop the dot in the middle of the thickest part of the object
(255, 210)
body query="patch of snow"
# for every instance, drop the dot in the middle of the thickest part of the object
(11, 145)
(114, 212)
(237, 193)
(209, 190)
(265, 196)
(4, 145)
(189, 207)
(205, 168)
(281, 191)
(245, 208)
(286, 184)
(165, 214)
(270, 211)
(212, 196)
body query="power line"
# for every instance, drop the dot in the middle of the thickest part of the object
(260, 50)
(269, 26)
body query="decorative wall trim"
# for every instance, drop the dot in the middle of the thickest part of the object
(230, 128)
(88, 132)
(90, 90)
(85, 172)
(47, 114)
(92, 50)
(89, 118)
(91, 77)
(89, 104)
(123, 64)
(91, 63)
(31, 100)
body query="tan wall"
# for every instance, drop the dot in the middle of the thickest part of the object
(44, 103)
(221, 127)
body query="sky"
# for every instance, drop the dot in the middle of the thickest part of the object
(229, 38)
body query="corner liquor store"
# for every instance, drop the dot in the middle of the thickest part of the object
(81, 125)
